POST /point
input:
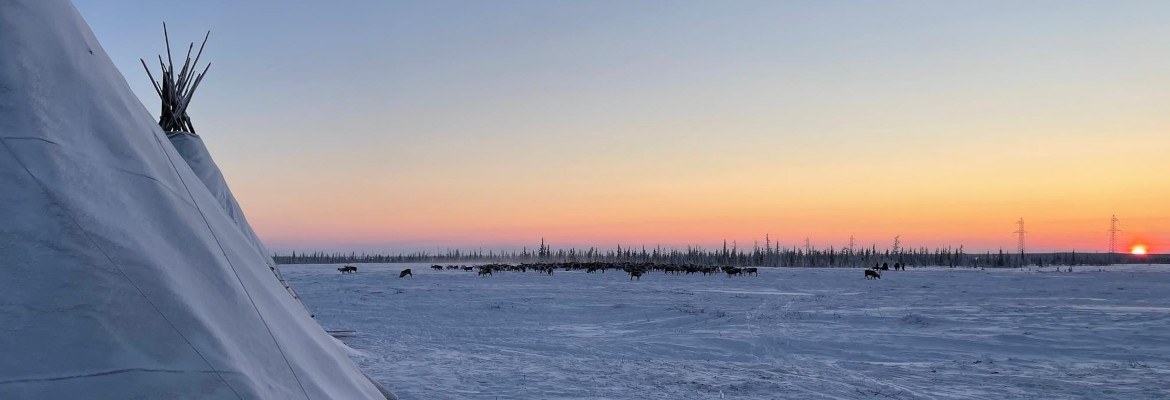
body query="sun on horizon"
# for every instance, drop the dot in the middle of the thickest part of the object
(1138, 250)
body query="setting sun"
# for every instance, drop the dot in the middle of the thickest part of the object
(1138, 250)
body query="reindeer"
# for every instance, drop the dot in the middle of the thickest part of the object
(751, 271)
(437, 267)
(872, 274)
(348, 269)
(635, 273)
(485, 271)
(405, 273)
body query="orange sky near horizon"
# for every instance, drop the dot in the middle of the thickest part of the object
(959, 177)
(1066, 195)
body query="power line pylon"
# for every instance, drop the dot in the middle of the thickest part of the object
(1021, 232)
(1113, 230)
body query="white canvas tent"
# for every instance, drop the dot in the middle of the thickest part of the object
(126, 269)
(191, 148)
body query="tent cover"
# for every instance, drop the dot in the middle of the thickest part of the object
(127, 269)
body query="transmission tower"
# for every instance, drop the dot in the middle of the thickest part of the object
(897, 243)
(1021, 232)
(852, 243)
(1113, 230)
(807, 245)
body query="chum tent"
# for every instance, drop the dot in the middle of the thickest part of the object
(127, 269)
(175, 92)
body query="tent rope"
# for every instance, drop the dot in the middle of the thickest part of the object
(232, 266)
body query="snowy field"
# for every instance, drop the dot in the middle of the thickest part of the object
(925, 333)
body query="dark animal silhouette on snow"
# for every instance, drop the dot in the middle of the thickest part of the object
(405, 273)
(871, 274)
(348, 269)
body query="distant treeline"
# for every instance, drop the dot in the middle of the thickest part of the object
(768, 256)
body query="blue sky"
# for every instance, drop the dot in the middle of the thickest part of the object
(396, 125)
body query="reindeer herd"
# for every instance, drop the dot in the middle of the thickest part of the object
(634, 269)
(875, 272)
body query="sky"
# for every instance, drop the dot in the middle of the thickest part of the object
(374, 125)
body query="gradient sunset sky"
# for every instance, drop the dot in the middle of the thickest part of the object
(387, 126)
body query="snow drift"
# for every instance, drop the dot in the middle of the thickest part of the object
(129, 271)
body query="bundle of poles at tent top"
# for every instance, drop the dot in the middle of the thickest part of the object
(176, 89)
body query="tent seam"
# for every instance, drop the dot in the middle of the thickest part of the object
(169, 189)
(103, 373)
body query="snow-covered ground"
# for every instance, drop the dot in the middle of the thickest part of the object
(789, 333)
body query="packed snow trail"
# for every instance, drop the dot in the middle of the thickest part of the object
(926, 333)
